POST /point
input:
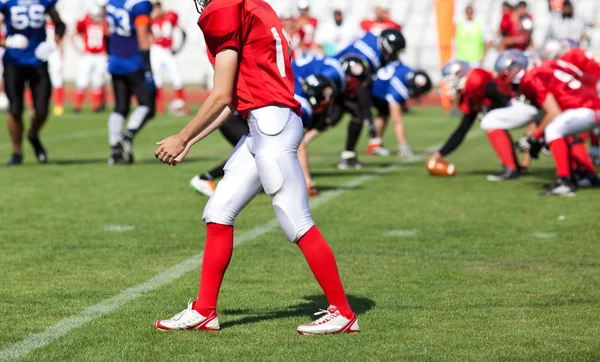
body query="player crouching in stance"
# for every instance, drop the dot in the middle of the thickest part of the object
(251, 57)
(26, 61)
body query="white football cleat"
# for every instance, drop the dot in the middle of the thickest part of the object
(332, 322)
(205, 187)
(187, 320)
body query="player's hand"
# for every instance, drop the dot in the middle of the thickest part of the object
(44, 50)
(16, 41)
(405, 151)
(169, 149)
(149, 81)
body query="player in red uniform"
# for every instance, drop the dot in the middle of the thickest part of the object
(162, 54)
(253, 75)
(306, 27)
(381, 22)
(571, 108)
(93, 31)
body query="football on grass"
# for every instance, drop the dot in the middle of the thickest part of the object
(440, 167)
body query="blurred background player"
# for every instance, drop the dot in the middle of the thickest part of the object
(162, 54)
(25, 62)
(381, 22)
(131, 71)
(92, 30)
(56, 68)
(305, 28)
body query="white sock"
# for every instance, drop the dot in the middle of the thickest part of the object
(115, 128)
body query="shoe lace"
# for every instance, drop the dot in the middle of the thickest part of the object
(324, 319)
(180, 314)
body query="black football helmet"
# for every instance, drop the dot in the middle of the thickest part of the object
(391, 45)
(356, 67)
(419, 83)
(320, 92)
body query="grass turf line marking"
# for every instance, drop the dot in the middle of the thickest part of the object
(118, 228)
(543, 235)
(38, 340)
(402, 233)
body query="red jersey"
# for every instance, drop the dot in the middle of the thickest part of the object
(306, 32)
(162, 29)
(551, 78)
(376, 26)
(472, 95)
(251, 27)
(93, 34)
(585, 61)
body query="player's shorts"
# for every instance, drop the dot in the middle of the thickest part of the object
(382, 106)
(335, 115)
(38, 78)
(132, 84)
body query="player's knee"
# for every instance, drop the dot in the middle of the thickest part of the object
(218, 213)
(293, 222)
(269, 169)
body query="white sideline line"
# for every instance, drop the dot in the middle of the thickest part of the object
(38, 340)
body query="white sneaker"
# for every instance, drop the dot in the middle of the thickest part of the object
(205, 187)
(332, 322)
(189, 319)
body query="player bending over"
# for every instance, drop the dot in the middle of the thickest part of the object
(26, 62)
(129, 66)
(93, 31)
(253, 74)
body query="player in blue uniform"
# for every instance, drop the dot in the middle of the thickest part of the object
(362, 59)
(129, 66)
(393, 86)
(25, 62)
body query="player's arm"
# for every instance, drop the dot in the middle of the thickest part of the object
(75, 36)
(59, 25)
(210, 116)
(457, 136)
(144, 38)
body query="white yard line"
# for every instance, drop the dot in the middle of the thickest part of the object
(35, 341)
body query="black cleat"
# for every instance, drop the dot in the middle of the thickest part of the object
(586, 181)
(116, 159)
(39, 150)
(15, 160)
(505, 174)
(349, 163)
(561, 187)
(126, 149)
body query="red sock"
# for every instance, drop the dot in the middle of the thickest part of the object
(179, 94)
(321, 261)
(59, 96)
(502, 144)
(103, 96)
(581, 157)
(28, 98)
(79, 97)
(160, 107)
(594, 141)
(217, 254)
(96, 99)
(560, 152)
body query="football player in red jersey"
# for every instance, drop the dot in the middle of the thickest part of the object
(571, 108)
(253, 75)
(93, 31)
(162, 54)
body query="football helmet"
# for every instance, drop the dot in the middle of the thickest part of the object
(419, 83)
(391, 44)
(533, 59)
(454, 75)
(200, 5)
(511, 65)
(526, 24)
(356, 67)
(96, 13)
(320, 92)
(554, 49)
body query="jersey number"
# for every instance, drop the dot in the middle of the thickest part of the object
(279, 48)
(567, 78)
(95, 37)
(118, 21)
(23, 17)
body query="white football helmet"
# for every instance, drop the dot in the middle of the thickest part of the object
(554, 49)
(96, 13)
(454, 74)
(511, 64)
(533, 59)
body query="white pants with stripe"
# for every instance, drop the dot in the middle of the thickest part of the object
(267, 158)
(572, 122)
(516, 115)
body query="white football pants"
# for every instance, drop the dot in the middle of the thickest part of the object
(572, 122)
(267, 158)
(516, 115)
(161, 59)
(55, 68)
(93, 69)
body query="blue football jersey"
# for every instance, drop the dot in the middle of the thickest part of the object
(330, 68)
(123, 48)
(306, 109)
(391, 84)
(26, 17)
(366, 48)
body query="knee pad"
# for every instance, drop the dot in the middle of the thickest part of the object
(270, 173)
(294, 223)
(218, 213)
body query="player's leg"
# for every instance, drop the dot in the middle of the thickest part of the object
(276, 134)
(157, 61)
(145, 111)
(176, 79)
(55, 68)
(116, 120)
(594, 150)
(41, 90)
(238, 187)
(375, 145)
(98, 80)
(234, 129)
(348, 158)
(14, 85)
(584, 170)
(82, 82)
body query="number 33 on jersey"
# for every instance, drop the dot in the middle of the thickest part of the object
(26, 17)
(252, 28)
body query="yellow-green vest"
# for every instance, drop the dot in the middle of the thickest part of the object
(469, 42)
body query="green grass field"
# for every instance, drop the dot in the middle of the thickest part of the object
(437, 269)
